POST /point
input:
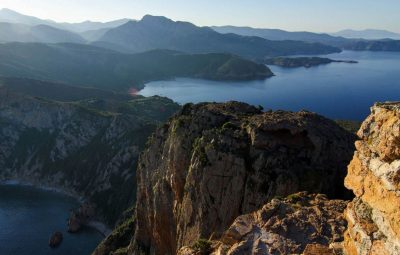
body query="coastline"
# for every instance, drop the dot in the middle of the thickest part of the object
(99, 226)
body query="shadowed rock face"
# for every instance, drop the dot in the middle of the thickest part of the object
(214, 162)
(87, 153)
(283, 226)
(374, 177)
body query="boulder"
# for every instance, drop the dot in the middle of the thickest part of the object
(55, 239)
(74, 223)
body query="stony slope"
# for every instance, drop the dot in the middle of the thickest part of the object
(374, 177)
(283, 226)
(214, 162)
(73, 147)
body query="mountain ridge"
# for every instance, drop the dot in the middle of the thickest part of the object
(8, 15)
(108, 69)
(158, 32)
(369, 34)
(324, 38)
(12, 32)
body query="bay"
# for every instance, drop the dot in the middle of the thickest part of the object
(336, 90)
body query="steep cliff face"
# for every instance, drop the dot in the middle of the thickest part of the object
(283, 226)
(82, 151)
(374, 177)
(214, 162)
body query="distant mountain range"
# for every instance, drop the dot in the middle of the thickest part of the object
(157, 32)
(14, 32)
(383, 44)
(278, 34)
(153, 32)
(10, 16)
(369, 34)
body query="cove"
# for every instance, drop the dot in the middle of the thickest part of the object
(336, 90)
(28, 217)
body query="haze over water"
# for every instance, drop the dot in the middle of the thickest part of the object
(336, 90)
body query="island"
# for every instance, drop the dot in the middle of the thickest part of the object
(303, 61)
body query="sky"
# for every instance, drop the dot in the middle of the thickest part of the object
(292, 15)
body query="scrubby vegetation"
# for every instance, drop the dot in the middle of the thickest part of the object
(301, 61)
(350, 125)
(117, 242)
(106, 69)
(202, 246)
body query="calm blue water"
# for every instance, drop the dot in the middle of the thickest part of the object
(337, 90)
(28, 217)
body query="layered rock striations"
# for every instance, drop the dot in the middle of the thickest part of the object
(214, 162)
(374, 177)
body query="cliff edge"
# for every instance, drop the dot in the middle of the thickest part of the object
(374, 176)
(214, 162)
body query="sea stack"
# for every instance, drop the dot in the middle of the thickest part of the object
(56, 239)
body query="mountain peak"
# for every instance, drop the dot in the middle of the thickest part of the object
(8, 10)
(159, 19)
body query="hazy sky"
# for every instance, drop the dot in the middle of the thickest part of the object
(294, 15)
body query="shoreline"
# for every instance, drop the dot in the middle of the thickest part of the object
(99, 226)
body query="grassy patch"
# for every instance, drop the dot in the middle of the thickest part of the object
(203, 246)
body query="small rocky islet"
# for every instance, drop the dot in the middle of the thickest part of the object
(307, 62)
(55, 239)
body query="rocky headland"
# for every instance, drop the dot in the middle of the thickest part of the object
(212, 163)
(224, 179)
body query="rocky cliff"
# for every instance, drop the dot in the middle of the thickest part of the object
(284, 226)
(71, 147)
(214, 162)
(374, 176)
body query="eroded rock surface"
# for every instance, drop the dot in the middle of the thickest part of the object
(374, 177)
(214, 162)
(300, 223)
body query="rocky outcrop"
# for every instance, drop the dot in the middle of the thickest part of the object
(214, 162)
(374, 177)
(299, 223)
(118, 241)
(74, 148)
(55, 239)
(82, 216)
